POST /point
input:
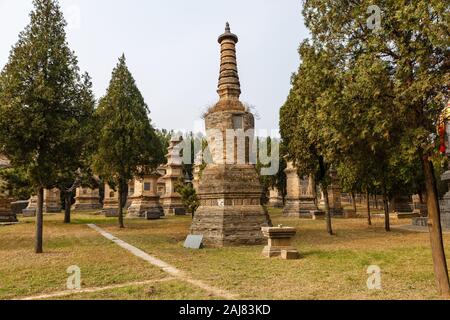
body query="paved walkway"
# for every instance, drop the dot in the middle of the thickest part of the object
(171, 270)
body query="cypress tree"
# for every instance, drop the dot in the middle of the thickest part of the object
(40, 88)
(127, 142)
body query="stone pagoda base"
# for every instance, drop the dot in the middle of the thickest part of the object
(230, 212)
(141, 207)
(172, 206)
(31, 209)
(111, 208)
(275, 200)
(6, 214)
(401, 207)
(51, 209)
(305, 207)
(230, 226)
(90, 206)
(87, 199)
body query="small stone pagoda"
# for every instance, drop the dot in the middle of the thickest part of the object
(300, 199)
(275, 200)
(31, 209)
(401, 205)
(230, 211)
(145, 199)
(110, 202)
(51, 205)
(171, 200)
(87, 199)
(52, 201)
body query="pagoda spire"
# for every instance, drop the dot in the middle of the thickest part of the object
(229, 85)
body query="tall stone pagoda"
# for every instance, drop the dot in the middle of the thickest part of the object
(230, 211)
(171, 200)
(87, 199)
(145, 199)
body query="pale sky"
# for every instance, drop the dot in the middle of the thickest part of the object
(172, 50)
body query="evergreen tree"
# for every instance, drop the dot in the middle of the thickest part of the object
(127, 143)
(413, 39)
(40, 90)
(305, 133)
(79, 172)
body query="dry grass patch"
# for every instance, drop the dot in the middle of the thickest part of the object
(332, 267)
(23, 273)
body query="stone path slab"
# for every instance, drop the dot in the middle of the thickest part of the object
(171, 270)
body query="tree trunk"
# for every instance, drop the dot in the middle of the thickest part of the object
(327, 211)
(434, 226)
(376, 202)
(387, 222)
(354, 203)
(369, 218)
(67, 205)
(120, 190)
(39, 221)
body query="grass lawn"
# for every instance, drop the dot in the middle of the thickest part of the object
(332, 267)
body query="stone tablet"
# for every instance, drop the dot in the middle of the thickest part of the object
(193, 242)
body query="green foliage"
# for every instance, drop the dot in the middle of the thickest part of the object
(164, 137)
(127, 142)
(188, 196)
(43, 102)
(412, 41)
(16, 183)
(278, 180)
(306, 134)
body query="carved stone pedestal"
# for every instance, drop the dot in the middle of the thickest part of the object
(280, 243)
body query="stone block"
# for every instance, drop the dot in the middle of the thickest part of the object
(18, 206)
(290, 255)
(280, 243)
